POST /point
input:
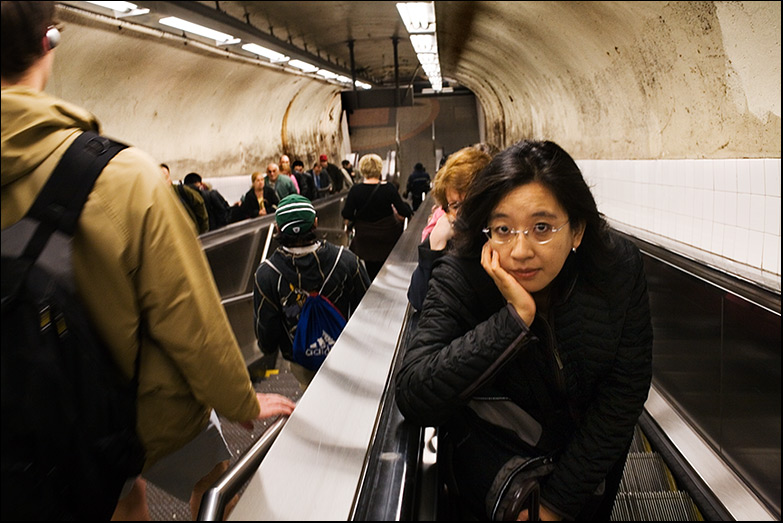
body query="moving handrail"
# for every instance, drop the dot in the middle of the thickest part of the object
(214, 501)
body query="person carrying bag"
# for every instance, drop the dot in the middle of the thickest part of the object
(370, 213)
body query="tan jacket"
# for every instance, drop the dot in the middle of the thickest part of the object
(140, 270)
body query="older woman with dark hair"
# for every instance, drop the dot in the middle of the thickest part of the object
(533, 352)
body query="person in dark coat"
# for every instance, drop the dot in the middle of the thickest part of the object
(260, 200)
(313, 264)
(534, 341)
(217, 206)
(372, 213)
(335, 176)
(419, 184)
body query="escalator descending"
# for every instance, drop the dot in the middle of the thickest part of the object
(648, 489)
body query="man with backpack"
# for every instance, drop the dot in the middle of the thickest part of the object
(290, 286)
(138, 270)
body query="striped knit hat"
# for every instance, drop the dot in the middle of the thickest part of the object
(295, 214)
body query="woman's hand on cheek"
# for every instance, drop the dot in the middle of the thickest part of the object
(514, 293)
(441, 233)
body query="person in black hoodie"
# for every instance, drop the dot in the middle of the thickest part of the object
(418, 185)
(533, 351)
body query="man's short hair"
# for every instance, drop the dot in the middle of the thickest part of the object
(297, 163)
(24, 25)
(191, 178)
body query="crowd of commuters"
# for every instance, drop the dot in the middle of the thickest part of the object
(530, 308)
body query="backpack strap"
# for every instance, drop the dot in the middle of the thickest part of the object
(62, 198)
(266, 260)
(340, 252)
(333, 268)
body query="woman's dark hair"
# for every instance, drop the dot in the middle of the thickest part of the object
(24, 25)
(525, 162)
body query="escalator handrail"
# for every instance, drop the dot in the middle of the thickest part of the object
(215, 499)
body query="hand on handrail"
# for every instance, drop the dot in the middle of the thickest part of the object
(270, 405)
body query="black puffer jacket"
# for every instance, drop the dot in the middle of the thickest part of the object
(586, 385)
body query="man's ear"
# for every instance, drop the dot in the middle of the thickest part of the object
(315, 223)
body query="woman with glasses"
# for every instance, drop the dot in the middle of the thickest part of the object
(449, 188)
(533, 350)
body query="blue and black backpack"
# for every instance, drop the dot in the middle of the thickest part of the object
(320, 324)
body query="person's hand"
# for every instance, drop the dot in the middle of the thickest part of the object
(441, 233)
(262, 212)
(271, 405)
(514, 293)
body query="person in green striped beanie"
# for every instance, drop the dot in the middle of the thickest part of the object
(303, 263)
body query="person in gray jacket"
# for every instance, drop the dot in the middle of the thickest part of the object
(533, 352)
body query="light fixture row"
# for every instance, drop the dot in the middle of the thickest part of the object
(419, 20)
(128, 9)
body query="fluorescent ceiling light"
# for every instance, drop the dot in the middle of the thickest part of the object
(274, 56)
(343, 79)
(304, 66)
(424, 43)
(418, 17)
(419, 20)
(326, 74)
(431, 69)
(200, 30)
(428, 58)
(363, 85)
(122, 7)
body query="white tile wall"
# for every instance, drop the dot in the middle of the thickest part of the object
(725, 213)
(231, 187)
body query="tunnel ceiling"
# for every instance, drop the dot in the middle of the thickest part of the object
(607, 79)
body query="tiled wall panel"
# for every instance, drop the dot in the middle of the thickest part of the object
(724, 213)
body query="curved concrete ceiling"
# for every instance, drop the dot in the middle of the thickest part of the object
(653, 74)
(606, 80)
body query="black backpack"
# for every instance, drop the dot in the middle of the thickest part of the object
(69, 438)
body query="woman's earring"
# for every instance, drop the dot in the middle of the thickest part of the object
(573, 249)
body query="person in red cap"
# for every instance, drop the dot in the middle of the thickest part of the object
(334, 173)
